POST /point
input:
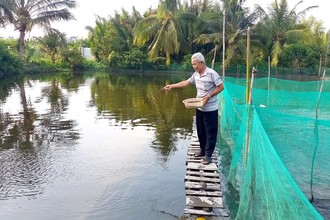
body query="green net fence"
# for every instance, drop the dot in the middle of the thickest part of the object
(276, 149)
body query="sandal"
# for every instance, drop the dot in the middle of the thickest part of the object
(206, 160)
(198, 154)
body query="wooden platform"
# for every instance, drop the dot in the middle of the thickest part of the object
(203, 189)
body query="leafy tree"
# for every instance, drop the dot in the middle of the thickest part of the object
(111, 39)
(298, 55)
(51, 44)
(105, 38)
(9, 63)
(95, 35)
(30, 13)
(124, 24)
(10, 43)
(134, 59)
(72, 56)
(319, 40)
(197, 7)
(114, 59)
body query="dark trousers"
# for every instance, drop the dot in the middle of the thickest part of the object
(207, 131)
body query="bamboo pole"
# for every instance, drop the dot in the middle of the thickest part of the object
(247, 94)
(223, 45)
(268, 73)
(247, 65)
(251, 86)
(248, 120)
(268, 80)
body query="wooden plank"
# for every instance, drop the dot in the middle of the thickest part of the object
(204, 202)
(199, 160)
(200, 166)
(204, 193)
(202, 186)
(205, 174)
(201, 178)
(199, 212)
(197, 148)
(193, 149)
(191, 153)
(191, 157)
(193, 160)
(219, 212)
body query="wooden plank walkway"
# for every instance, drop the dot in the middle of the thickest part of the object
(203, 189)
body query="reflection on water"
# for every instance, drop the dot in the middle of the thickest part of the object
(137, 101)
(91, 147)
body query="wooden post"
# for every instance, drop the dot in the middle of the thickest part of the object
(268, 80)
(268, 72)
(247, 65)
(247, 97)
(251, 86)
(223, 45)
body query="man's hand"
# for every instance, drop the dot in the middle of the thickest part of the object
(206, 99)
(167, 88)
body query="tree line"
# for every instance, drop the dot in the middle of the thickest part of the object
(165, 37)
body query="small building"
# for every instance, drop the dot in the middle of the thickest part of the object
(86, 53)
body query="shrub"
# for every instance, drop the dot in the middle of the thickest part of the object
(10, 64)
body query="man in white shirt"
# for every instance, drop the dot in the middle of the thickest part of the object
(208, 85)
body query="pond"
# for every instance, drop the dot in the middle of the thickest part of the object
(96, 146)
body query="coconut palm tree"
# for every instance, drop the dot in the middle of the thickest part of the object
(208, 26)
(237, 22)
(210, 31)
(30, 13)
(163, 33)
(281, 23)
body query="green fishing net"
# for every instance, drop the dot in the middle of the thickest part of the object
(279, 147)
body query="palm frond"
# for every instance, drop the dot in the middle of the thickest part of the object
(214, 38)
(298, 34)
(255, 44)
(276, 52)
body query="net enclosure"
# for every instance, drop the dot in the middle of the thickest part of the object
(276, 149)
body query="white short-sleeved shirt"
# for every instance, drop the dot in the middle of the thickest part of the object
(205, 84)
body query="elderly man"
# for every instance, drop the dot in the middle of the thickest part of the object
(208, 85)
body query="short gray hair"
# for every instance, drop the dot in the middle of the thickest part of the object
(199, 57)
